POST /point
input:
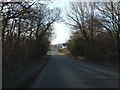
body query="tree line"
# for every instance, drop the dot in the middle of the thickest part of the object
(96, 30)
(26, 31)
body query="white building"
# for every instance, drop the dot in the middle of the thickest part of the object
(60, 46)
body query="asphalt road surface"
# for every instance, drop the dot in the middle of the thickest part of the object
(64, 72)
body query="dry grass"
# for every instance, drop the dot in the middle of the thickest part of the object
(13, 77)
(64, 51)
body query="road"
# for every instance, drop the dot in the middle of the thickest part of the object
(64, 72)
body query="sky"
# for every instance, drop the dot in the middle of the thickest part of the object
(61, 30)
(62, 33)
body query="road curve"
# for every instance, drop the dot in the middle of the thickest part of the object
(63, 72)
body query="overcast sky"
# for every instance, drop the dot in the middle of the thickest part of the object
(62, 31)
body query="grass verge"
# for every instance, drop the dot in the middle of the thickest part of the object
(83, 59)
(24, 75)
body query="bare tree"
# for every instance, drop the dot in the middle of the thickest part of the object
(26, 32)
(96, 28)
